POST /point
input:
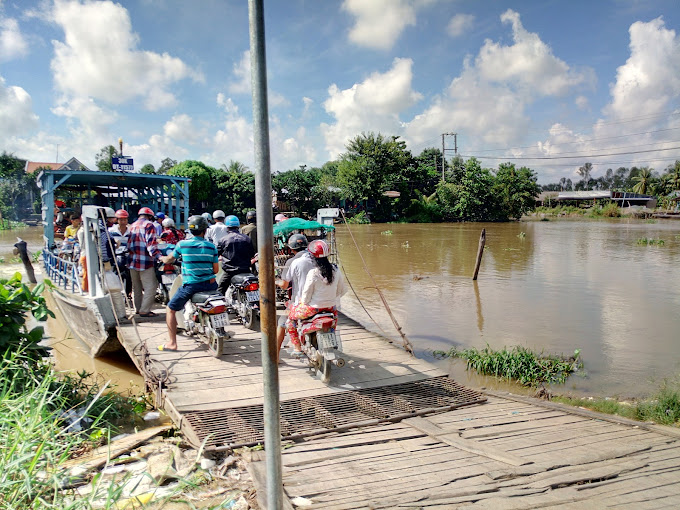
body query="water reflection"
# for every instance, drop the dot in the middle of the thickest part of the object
(564, 285)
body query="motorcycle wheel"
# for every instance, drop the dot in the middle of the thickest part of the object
(216, 344)
(165, 296)
(324, 368)
(252, 319)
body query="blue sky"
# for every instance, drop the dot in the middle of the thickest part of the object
(565, 81)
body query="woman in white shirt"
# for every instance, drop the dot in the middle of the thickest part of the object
(324, 286)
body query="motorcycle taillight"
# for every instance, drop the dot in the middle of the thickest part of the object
(216, 309)
(252, 286)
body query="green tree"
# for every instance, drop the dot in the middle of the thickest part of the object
(202, 186)
(148, 169)
(166, 165)
(235, 192)
(584, 172)
(235, 167)
(473, 198)
(103, 158)
(517, 189)
(643, 181)
(16, 187)
(369, 167)
(295, 188)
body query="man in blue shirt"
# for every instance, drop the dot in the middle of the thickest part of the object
(199, 267)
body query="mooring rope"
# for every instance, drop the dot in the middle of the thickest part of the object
(406, 343)
(156, 374)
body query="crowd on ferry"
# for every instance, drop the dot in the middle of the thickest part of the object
(211, 242)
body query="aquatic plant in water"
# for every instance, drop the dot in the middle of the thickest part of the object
(519, 364)
(644, 241)
(387, 232)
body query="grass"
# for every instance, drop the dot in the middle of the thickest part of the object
(662, 408)
(644, 241)
(610, 210)
(518, 364)
(13, 260)
(561, 210)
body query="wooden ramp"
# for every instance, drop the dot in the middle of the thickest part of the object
(510, 453)
(219, 400)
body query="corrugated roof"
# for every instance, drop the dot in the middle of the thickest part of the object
(584, 195)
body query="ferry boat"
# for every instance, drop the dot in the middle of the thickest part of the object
(93, 311)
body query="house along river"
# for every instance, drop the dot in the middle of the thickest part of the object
(554, 286)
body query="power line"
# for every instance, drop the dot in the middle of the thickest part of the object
(575, 157)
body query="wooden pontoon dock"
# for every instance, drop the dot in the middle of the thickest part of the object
(425, 441)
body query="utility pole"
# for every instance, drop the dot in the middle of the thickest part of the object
(455, 145)
(265, 241)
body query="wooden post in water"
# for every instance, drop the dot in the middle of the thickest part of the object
(480, 252)
(20, 248)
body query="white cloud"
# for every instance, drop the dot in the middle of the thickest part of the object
(582, 103)
(650, 79)
(372, 105)
(241, 71)
(181, 128)
(459, 24)
(379, 23)
(488, 100)
(12, 42)
(103, 62)
(528, 62)
(16, 111)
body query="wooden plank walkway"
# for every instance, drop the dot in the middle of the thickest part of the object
(509, 453)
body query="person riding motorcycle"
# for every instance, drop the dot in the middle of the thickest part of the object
(236, 251)
(170, 234)
(218, 231)
(323, 288)
(250, 228)
(199, 267)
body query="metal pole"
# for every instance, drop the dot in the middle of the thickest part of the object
(443, 156)
(265, 242)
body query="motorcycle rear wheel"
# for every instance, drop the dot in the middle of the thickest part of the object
(252, 319)
(324, 368)
(215, 344)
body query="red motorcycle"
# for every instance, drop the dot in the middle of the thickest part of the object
(321, 343)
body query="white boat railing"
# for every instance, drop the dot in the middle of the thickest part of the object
(62, 272)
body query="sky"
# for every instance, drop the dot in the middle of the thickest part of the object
(546, 84)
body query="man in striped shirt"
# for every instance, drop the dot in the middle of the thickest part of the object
(199, 267)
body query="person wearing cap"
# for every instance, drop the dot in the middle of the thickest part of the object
(158, 223)
(199, 267)
(293, 277)
(323, 287)
(218, 231)
(143, 252)
(236, 252)
(250, 228)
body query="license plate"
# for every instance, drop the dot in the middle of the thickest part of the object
(326, 340)
(167, 279)
(253, 296)
(220, 320)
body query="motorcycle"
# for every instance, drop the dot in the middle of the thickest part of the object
(321, 343)
(243, 297)
(122, 265)
(206, 316)
(166, 274)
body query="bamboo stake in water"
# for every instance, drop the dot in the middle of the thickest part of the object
(480, 252)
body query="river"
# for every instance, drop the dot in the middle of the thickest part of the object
(554, 286)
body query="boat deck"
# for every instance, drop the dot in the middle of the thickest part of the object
(476, 451)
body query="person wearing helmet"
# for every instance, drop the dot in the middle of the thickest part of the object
(236, 252)
(158, 223)
(218, 231)
(324, 286)
(199, 267)
(208, 218)
(143, 254)
(250, 228)
(170, 234)
(280, 217)
(293, 277)
(121, 230)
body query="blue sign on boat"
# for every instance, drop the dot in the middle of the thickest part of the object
(122, 164)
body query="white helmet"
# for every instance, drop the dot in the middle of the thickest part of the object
(110, 213)
(168, 222)
(219, 214)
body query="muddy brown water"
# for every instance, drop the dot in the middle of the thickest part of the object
(563, 285)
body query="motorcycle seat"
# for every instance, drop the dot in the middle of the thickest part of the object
(241, 278)
(201, 297)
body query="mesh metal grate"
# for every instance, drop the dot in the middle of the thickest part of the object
(242, 426)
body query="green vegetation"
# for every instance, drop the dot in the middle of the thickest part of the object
(561, 210)
(16, 190)
(645, 241)
(45, 418)
(662, 408)
(518, 364)
(610, 210)
(386, 232)
(522, 235)
(359, 218)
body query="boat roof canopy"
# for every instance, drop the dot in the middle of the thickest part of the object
(121, 190)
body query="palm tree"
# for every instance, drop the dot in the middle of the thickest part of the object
(563, 182)
(234, 167)
(584, 172)
(642, 180)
